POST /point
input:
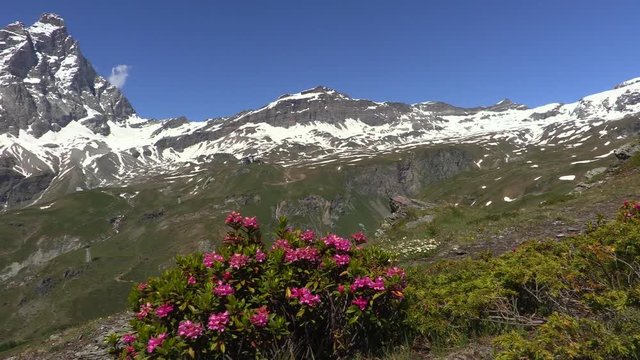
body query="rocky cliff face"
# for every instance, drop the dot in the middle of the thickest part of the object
(410, 175)
(46, 82)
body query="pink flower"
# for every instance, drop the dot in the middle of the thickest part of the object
(360, 302)
(144, 311)
(164, 310)
(281, 244)
(211, 258)
(234, 219)
(189, 330)
(223, 289)
(261, 317)
(396, 271)
(260, 256)
(343, 245)
(307, 253)
(142, 286)
(305, 296)
(237, 261)
(226, 276)
(251, 223)
(308, 236)
(128, 339)
(362, 283)
(337, 242)
(191, 280)
(359, 237)
(378, 284)
(154, 342)
(330, 239)
(341, 289)
(218, 321)
(341, 260)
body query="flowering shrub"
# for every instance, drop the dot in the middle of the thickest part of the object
(310, 296)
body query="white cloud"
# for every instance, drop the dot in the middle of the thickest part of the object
(119, 75)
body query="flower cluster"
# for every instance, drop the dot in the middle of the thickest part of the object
(164, 310)
(243, 299)
(223, 289)
(237, 261)
(260, 256)
(341, 259)
(366, 282)
(189, 330)
(359, 237)
(251, 223)
(308, 236)
(305, 296)
(307, 253)
(211, 258)
(128, 339)
(218, 321)
(154, 342)
(360, 302)
(337, 242)
(396, 271)
(142, 286)
(260, 318)
(281, 244)
(234, 220)
(144, 311)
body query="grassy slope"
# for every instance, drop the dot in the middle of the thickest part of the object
(72, 291)
(66, 290)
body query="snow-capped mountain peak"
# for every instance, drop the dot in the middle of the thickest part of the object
(45, 82)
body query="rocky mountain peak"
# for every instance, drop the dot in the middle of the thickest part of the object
(46, 82)
(51, 19)
(16, 27)
(49, 26)
(317, 93)
(321, 89)
(506, 104)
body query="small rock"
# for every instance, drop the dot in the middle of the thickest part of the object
(458, 251)
(560, 236)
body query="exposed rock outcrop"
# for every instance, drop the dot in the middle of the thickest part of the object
(46, 82)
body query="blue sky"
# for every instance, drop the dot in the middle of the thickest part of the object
(214, 58)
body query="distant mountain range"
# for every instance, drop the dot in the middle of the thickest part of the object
(64, 128)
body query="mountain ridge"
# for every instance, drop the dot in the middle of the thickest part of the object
(70, 126)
